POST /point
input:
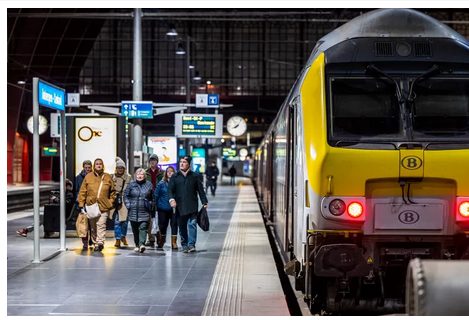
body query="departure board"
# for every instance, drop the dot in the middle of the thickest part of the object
(198, 125)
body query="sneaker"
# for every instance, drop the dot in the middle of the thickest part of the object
(100, 247)
(96, 248)
(136, 249)
(22, 232)
(185, 250)
(142, 248)
(85, 247)
(192, 249)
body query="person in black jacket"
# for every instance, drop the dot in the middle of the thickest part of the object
(183, 189)
(212, 176)
(138, 199)
(232, 172)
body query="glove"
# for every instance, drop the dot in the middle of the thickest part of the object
(82, 210)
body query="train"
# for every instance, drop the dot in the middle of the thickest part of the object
(364, 167)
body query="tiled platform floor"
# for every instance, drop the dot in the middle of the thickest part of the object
(122, 282)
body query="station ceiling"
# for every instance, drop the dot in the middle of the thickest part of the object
(41, 39)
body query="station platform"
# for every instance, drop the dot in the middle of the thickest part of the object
(233, 272)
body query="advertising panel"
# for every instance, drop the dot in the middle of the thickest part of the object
(166, 150)
(198, 160)
(96, 138)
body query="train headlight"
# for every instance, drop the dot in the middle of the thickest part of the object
(337, 207)
(464, 209)
(355, 209)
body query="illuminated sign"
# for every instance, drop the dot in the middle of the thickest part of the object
(95, 138)
(51, 96)
(199, 125)
(50, 152)
(228, 153)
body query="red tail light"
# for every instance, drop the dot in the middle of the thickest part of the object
(464, 209)
(355, 209)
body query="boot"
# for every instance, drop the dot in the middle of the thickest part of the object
(124, 241)
(117, 244)
(161, 241)
(174, 242)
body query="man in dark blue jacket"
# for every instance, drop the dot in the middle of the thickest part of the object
(183, 189)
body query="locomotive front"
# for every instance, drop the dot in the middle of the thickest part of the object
(385, 104)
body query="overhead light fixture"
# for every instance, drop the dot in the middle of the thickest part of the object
(180, 50)
(21, 82)
(191, 67)
(209, 82)
(172, 32)
(197, 77)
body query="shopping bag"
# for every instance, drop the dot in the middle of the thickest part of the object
(154, 224)
(202, 219)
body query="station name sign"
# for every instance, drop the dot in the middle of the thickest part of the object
(199, 125)
(51, 96)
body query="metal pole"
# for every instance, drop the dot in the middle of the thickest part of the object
(188, 85)
(62, 182)
(137, 77)
(36, 258)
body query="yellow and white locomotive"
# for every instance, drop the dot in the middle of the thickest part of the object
(365, 165)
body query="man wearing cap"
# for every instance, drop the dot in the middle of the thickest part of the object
(154, 175)
(183, 189)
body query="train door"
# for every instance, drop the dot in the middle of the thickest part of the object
(290, 205)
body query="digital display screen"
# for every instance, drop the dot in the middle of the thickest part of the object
(198, 125)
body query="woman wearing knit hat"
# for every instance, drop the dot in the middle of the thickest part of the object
(121, 180)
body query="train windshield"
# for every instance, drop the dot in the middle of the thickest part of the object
(364, 109)
(441, 109)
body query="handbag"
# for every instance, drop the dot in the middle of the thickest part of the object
(93, 211)
(202, 219)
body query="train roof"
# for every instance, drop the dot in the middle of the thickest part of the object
(387, 23)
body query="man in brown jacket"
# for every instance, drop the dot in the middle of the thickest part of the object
(88, 195)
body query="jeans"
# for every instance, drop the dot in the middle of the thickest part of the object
(232, 181)
(188, 230)
(120, 227)
(163, 220)
(139, 230)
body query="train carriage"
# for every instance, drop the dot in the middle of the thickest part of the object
(365, 165)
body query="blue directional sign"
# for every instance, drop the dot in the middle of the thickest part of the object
(137, 109)
(213, 100)
(51, 96)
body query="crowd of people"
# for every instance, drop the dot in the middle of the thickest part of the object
(166, 197)
(152, 200)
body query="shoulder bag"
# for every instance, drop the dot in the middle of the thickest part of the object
(93, 211)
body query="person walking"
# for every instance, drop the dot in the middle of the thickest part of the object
(232, 172)
(138, 198)
(82, 230)
(97, 187)
(212, 176)
(183, 189)
(153, 175)
(165, 212)
(121, 181)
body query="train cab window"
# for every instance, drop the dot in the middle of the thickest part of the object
(364, 109)
(441, 109)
